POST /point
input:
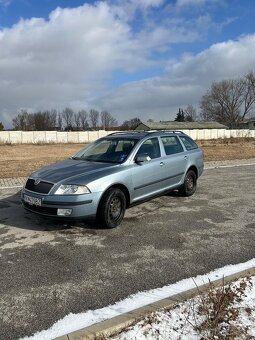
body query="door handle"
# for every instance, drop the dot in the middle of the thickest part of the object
(161, 163)
(186, 158)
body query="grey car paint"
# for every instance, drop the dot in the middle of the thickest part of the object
(139, 181)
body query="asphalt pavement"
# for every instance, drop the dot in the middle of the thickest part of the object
(50, 269)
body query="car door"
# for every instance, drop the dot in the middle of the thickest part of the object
(175, 160)
(147, 176)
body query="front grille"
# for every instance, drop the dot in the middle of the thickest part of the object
(42, 187)
(41, 210)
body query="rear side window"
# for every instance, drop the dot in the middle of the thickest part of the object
(172, 145)
(188, 142)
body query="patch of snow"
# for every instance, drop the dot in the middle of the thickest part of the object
(179, 323)
(74, 322)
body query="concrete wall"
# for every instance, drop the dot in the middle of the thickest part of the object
(29, 137)
(219, 133)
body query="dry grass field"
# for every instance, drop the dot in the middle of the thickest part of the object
(21, 160)
(228, 149)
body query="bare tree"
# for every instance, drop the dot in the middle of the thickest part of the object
(18, 122)
(229, 101)
(223, 101)
(107, 120)
(45, 120)
(39, 121)
(249, 93)
(83, 116)
(77, 120)
(53, 118)
(60, 121)
(190, 113)
(23, 121)
(94, 117)
(131, 124)
(67, 115)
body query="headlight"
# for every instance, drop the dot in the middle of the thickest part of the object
(72, 190)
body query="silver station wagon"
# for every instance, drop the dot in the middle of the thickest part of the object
(113, 173)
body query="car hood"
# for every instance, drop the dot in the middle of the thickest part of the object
(69, 168)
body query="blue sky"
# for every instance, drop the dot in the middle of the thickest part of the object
(140, 58)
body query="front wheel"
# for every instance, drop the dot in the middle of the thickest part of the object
(112, 208)
(190, 184)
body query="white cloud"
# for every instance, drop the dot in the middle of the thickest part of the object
(182, 3)
(148, 3)
(184, 83)
(5, 3)
(68, 59)
(126, 10)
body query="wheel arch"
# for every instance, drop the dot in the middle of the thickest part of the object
(123, 188)
(193, 168)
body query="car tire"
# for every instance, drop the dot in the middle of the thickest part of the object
(112, 208)
(190, 184)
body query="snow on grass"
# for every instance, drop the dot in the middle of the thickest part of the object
(74, 322)
(186, 321)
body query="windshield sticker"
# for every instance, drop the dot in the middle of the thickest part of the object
(122, 157)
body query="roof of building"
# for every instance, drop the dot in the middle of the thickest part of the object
(172, 125)
(247, 121)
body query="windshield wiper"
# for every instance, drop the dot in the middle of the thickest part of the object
(104, 161)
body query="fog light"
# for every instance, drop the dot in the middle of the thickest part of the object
(64, 212)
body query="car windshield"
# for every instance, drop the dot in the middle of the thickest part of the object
(110, 150)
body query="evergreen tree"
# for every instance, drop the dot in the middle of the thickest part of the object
(180, 117)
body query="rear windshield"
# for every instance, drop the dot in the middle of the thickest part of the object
(109, 150)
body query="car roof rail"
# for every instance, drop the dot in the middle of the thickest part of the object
(158, 131)
(147, 132)
(126, 132)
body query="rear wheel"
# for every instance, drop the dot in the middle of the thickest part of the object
(190, 184)
(112, 208)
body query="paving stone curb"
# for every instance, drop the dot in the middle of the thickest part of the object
(115, 325)
(12, 182)
(226, 163)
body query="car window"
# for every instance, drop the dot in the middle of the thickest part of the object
(188, 143)
(172, 145)
(112, 150)
(149, 148)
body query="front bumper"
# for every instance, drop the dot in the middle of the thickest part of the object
(82, 206)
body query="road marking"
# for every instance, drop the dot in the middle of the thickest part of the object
(229, 166)
(17, 186)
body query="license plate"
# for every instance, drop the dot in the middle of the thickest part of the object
(32, 200)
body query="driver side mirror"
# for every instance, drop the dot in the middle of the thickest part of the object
(142, 159)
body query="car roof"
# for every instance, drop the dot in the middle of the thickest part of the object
(141, 134)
